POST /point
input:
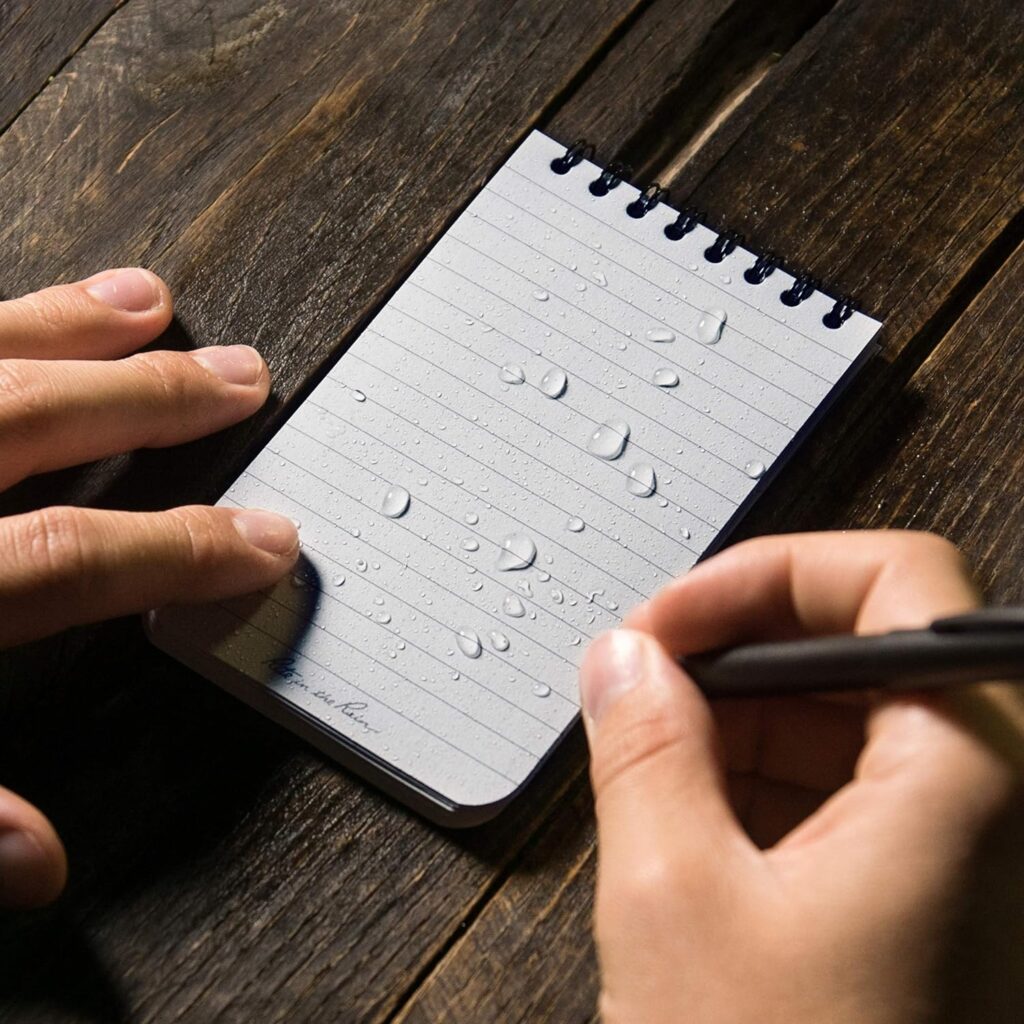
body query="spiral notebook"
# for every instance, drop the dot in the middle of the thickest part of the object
(571, 399)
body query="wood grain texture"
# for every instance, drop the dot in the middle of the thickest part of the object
(867, 173)
(35, 40)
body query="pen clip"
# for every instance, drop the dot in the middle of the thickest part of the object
(984, 620)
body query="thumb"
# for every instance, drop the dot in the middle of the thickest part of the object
(32, 862)
(659, 788)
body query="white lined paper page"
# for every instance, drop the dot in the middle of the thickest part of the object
(536, 275)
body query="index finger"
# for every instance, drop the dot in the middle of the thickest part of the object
(777, 588)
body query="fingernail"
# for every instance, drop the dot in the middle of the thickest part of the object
(614, 665)
(130, 290)
(267, 531)
(234, 364)
(20, 859)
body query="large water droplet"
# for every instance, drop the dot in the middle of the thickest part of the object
(517, 552)
(470, 544)
(358, 395)
(660, 334)
(499, 640)
(709, 327)
(754, 469)
(554, 383)
(396, 502)
(575, 524)
(512, 374)
(469, 643)
(472, 518)
(540, 295)
(642, 480)
(608, 441)
(541, 690)
(665, 378)
(513, 607)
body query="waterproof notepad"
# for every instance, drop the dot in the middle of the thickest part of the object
(563, 407)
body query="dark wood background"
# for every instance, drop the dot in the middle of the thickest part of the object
(282, 165)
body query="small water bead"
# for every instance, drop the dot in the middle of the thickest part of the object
(338, 580)
(512, 374)
(470, 544)
(666, 378)
(540, 295)
(500, 641)
(378, 600)
(726, 279)
(544, 576)
(710, 325)
(609, 440)
(642, 480)
(478, 585)
(513, 607)
(661, 334)
(541, 690)
(600, 278)
(384, 618)
(575, 641)
(581, 286)
(472, 518)
(517, 552)
(524, 586)
(754, 469)
(685, 533)
(361, 564)
(469, 643)
(396, 502)
(575, 525)
(358, 395)
(554, 382)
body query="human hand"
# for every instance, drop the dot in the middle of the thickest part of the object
(854, 911)
(66, 397)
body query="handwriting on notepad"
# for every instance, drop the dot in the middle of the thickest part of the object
(284, 668)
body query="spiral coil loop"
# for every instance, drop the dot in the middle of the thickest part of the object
(611, 177)
(726, 242)
(687, 220)
(579, 151)
(647, 200)
(803, 288)
(764, 266)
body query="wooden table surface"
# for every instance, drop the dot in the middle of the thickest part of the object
(282, 165)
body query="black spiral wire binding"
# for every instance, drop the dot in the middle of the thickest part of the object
(687, 220)
(764, 266)
(803, 287)
(722, 246)
(647, 200)
(611, 177)
(575, 154)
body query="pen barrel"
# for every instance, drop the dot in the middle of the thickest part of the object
(909, 660)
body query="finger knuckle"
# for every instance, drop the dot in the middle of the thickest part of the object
(57, 311)
(202, 539)
(170, 375)
(27, 399)
(56, 546)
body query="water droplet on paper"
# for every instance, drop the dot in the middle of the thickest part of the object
(512, 374)
(469, 643)
(472, 518)
(709, 327)
(361, 564)
(581, 286)
(554, 383)
(358, 395)
(517, 552)
(338, 580)
(685, 533)
(575, 524)
(499, 640)
(513, 607)
(642, 481)
(470, 544)
(540, 295)
(396, 502)
(557, 596)
(754, 469)
(384, 618)
(665, 378)
(524, 586)
(660, 334)
(600, 278)
(541, 690)
(608, 441)
(726, 279)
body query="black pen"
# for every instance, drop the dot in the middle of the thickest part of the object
(979, 646)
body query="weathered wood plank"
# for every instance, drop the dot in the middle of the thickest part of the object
(35, 40)
(913, 200)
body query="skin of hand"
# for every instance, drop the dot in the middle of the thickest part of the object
(70, 392)
(856, 883)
